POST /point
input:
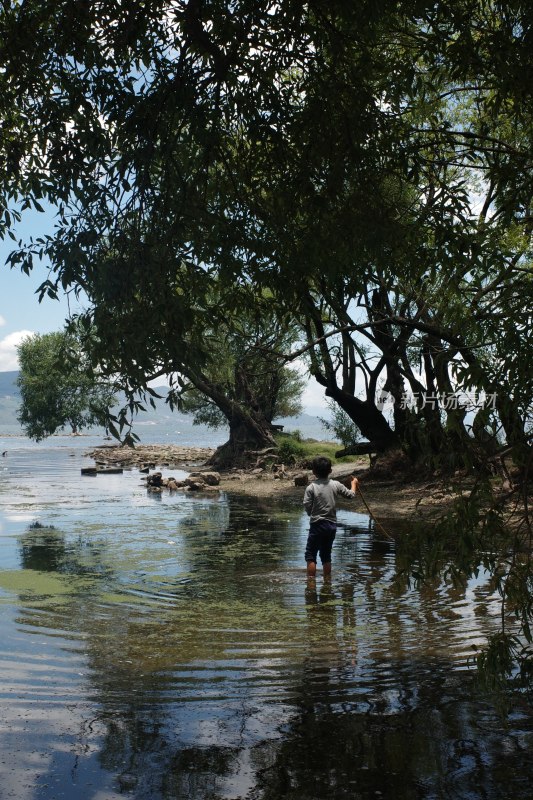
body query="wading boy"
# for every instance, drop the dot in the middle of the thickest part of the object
(320, 503)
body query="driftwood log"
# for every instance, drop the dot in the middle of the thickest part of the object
(359, 449)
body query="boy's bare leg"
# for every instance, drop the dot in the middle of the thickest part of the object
(311, 569)
(327, 569)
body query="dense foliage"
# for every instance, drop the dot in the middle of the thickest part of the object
(242, 384)
(243, 367)
(58, 388)
(366, 164)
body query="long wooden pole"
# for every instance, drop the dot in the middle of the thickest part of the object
(377, 522)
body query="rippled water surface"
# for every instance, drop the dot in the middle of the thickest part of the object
(172, 648)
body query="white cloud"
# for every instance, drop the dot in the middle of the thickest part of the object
(314, 399)
(2, 321)
(8, 350)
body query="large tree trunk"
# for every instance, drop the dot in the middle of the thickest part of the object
(247, 435)
(364, 413)
(249, 430)
(513, 424)
(368, 419)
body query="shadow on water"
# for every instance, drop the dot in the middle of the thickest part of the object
(191, 659)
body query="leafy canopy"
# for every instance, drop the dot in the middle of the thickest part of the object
(58, 388)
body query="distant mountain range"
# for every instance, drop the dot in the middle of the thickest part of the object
(8, 386)
(308, 424)
(9, 401)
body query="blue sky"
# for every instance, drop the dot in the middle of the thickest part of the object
(21, 314)
(20, 311)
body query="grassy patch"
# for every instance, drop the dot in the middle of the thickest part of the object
(294, 449)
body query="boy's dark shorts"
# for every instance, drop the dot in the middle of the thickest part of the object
(320, 540)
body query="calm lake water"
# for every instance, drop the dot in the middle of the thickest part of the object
(165, 648)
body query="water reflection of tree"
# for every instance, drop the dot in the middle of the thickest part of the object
(135, 650)
(436, 750)
(47, 549)
(42, 549)
(437, 740)
(252, 543)
(429, 743)
(339, 740)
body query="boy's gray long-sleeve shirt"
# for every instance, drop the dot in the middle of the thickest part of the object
(320, 498)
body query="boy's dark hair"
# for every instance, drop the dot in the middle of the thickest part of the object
(321, 466)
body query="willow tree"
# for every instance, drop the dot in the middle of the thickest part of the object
(435, 267)
(173, 139)
(57, 387)
(271, 146)
(268, 145)
(243, 385)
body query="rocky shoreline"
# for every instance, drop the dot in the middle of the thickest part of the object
(151, 456)
(393, 499)
(389, 500)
